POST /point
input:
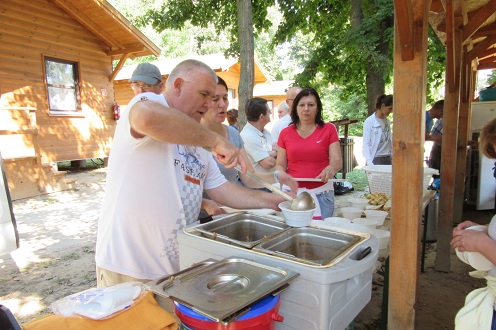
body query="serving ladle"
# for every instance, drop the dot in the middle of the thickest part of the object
(302, 202)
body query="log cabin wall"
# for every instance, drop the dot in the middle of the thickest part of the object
(31, 30)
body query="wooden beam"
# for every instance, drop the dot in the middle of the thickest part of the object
(128, 50)
(481, 47)
(403, 12)
(450, 27)
(463, 137)
(478, 18)
(487, 66)
(87, 22)
(458, 21)
(118, 67)
(485, 31)
(486, 54)
(410, 83)
(449, 160)
(437, 6)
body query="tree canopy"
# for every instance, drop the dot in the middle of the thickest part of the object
(345, 43)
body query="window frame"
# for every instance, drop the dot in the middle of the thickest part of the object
(76, 87)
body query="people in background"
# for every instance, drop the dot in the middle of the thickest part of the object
(282, 109)
(258, 141)
(213, 120)
(146, 78)
(478, 312)
(156, 175)
(435, 133)
(377, 138)
(232, 118)
(286, 120)
(310, 148)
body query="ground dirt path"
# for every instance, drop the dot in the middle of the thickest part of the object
(56, 259)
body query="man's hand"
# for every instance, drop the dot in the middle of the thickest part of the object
(211, 207)
(227, 154)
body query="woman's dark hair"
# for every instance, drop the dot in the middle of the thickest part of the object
(232, 116)
(222, 82)
(255, 107)
(487, 140)
(319, 120)
(387, 100)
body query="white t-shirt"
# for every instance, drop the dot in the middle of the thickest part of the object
(153, 190)
(257, 146)
(279, 126)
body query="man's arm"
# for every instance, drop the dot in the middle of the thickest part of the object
(238, 197)
(172, 126)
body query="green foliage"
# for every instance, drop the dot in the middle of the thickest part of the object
(358, 179)
(436, 67)
(220, 14)
(491, 78)
(310, 41)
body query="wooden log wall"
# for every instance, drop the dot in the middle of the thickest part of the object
(32, 29)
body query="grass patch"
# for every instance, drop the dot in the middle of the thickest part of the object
(358, 179)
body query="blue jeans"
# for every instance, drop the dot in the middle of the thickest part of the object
(493, 324)
(326, 202)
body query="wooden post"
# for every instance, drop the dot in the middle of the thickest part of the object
(408, 141)
(466, 95)
(449, 155)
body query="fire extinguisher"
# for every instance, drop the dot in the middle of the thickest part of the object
(117, 111)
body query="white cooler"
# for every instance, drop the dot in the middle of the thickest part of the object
(320, 298)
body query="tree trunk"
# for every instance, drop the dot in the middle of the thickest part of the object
(247, 57)
(375, 75)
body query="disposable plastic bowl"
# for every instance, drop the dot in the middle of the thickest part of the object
(296, 218)
(371, 223)
(360, 203)
(351, 212)
(383, 236)
(337, 221)
(356, 227)
(376, 215)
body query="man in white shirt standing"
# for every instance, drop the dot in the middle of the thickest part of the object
(286, 120)
(258, 141)
(156, 176)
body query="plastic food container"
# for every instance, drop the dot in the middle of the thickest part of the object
(376, 215)
(360, 203)
(351, 212)
(370, 223)
(295, 218)
(337, 221)
(382, 235)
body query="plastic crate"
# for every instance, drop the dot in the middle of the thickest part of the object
(380, 177)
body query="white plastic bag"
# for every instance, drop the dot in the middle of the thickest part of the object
(99, 303)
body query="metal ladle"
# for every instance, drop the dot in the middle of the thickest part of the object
(302, 202)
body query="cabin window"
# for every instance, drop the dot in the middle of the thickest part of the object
(62, 79)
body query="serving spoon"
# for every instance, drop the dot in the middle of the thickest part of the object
(302, 202)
